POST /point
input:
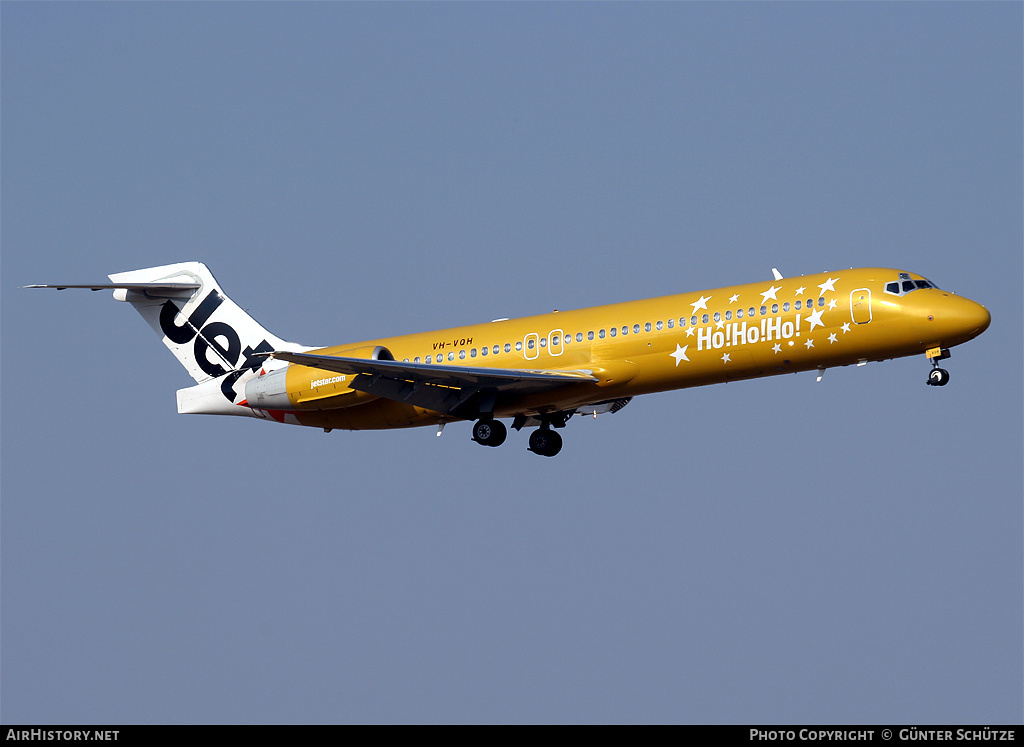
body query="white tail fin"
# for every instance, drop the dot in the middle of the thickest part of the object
(217, 342)
(209, 334)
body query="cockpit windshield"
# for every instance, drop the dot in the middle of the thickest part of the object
(905, 285)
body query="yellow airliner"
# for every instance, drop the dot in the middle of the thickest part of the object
(541, 370)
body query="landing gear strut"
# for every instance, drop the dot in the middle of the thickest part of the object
(938, 376)
(545, 441)
(489, 432)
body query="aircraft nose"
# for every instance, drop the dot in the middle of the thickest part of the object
(962, 318)
(974, 317)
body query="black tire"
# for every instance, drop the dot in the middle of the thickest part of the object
(545, 442)
(938, 377)
(489, 432)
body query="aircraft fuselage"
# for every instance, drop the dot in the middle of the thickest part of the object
(542, 369)
(672, 342)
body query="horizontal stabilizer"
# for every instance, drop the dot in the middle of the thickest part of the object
(153, 290)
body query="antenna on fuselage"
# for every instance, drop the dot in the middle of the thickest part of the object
(777, 274)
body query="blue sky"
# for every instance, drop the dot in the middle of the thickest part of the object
(774, 551)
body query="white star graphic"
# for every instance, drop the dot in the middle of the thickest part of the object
(832, 337)
(815, 319)
(831, 303)
(734, 299)
(680, 354)
(846, 328)
(809, 344)
(702, 303)
(799, 291)
(690, 331)
(725, 358)
(777, 348)
(719, 324)
(828, 285)
(770, 293)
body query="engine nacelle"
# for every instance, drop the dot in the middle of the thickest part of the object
(373, 352)
(298, 387)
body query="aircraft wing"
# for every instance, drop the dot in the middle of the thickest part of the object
(441, 388)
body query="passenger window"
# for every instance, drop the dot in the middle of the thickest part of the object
(462, 355)
(429, 359)
(682, 321)
(797, 306)
(659, 325)
(417, 360)
(739, 313)
(670, 323)
(764, 310)
(647, 327)
(704, 319)
(600, 333)
(543, 342)
(472, 353)
(579, 337)
(495, 351)
(751, 311)
(508, 347)
(821, 302)
(728, 315)
(614, 331)
(483, 351)
(636, 329)
(718, 316)
(775, 308)
(451, 356)
(785, 306)
(693, 320)
(519, 345)
(590, 335)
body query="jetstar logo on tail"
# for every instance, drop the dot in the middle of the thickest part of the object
(209, 337)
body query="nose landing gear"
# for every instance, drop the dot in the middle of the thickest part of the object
(938, 376)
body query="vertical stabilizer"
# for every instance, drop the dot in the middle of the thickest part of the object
(209, 334)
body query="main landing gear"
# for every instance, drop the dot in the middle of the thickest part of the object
(938, 376)
(544, 441)
(489, 432)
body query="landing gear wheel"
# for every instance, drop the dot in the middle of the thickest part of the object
(489, 432)
(938, 377)
(545, 442)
